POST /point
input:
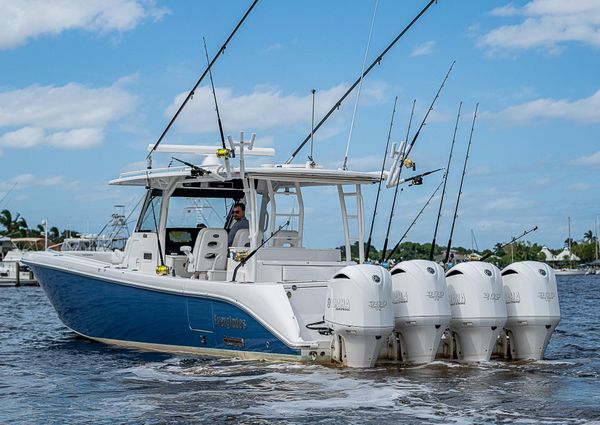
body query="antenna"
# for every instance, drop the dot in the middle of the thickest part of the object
(312, 130)
(345, 164)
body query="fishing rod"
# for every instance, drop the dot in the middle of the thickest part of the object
(364, 74)
(401, 152)
(404, 160)
(462, 178)
(526, 232)
(195, 170)
(212, 85)
(413, 222)
(387, 145)
(437, 222)
(191, 93)
(418, 179)
(247, 257)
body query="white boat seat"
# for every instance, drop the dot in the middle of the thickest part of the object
(286, 238)
(241, 238)
(210, 251)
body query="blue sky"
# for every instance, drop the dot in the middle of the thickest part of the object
(86, 86)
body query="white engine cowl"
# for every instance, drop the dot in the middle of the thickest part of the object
(532, 306)
(478, 308)
(358, 308)
(421, 308)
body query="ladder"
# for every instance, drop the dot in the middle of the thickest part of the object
(357, 216)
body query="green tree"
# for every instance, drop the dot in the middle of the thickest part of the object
(13, 227)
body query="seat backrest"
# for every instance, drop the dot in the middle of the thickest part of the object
(210, 250)
(241, 238)
(286, 238)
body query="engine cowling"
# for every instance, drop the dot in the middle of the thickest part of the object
(478, 309)
(421, 309)
(359, 312)
(533, 309)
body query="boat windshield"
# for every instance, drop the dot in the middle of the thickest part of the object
(191, 212)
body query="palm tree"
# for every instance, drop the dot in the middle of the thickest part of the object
(13, 227)
(589, 236)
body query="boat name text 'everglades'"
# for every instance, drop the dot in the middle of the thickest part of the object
(229, 322)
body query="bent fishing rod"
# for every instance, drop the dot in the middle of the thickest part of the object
(462, 178)
(526, 232)
(437, 222)
(247, 257)
(413, 222)
(387, 145)
(358, 80)
(206, 71)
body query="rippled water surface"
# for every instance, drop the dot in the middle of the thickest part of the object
(49, 375)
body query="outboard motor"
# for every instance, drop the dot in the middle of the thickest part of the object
(478, 309)
(359, 311)
(421, 310)
(532, 307)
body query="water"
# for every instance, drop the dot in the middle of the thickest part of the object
(49, 375)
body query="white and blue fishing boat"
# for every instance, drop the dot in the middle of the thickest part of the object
(180, 287)
(196, 276)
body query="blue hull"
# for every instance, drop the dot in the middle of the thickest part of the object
(107, 310)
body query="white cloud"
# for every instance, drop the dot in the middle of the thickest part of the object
(69, 116)
(52, 181)
(265, 107)
(26, 19)
(81, 138)
(586, 110)
(591, 160)
(506, 204)
(423, 49)
(23, 138)
(580, 187)
(548, 24)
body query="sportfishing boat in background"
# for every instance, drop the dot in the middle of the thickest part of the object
(107, 246)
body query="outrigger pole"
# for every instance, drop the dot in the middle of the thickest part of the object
(358, 80)
(462, 178)
(437, 222)
(413, 223)
(206, 71)
(387, 145)
(526, 232)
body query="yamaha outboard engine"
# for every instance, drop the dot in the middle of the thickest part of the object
(359, 312)
(478, 309)
(532, 307)
(421, 310)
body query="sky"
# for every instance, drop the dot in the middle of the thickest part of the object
(86, 86)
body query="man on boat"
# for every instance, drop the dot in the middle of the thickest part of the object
(240, 221)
